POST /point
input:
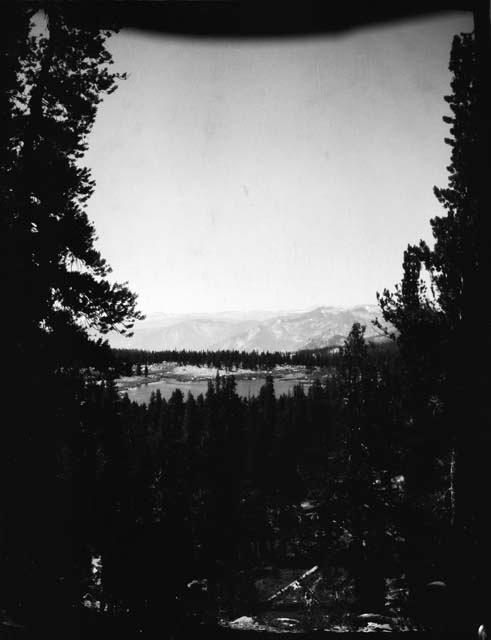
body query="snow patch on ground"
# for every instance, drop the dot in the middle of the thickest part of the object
(251, 624)
(208, 372)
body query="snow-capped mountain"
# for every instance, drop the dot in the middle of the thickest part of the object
(263, 331)
(312, 329)
(188, 331)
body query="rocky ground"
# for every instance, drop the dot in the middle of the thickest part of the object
(321, 601)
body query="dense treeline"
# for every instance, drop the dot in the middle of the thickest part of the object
(226, 359)
(231, 360)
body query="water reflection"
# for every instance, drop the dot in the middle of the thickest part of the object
(245, 387)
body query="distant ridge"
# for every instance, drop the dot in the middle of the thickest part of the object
(262, 330)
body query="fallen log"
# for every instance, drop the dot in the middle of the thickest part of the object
(294, 584)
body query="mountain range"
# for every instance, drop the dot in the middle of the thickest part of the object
(260, 330)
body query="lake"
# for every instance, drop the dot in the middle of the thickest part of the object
(245, 388)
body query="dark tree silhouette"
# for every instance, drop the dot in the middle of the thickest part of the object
(435, 326)
(58, 288)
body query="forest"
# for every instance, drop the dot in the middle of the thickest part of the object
(225, 478)
(159, 518)
(127, 360)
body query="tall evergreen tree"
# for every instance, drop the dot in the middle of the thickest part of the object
(365, 520)
(458, 269)
(58, 287)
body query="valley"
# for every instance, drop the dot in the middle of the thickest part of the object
(166, 377)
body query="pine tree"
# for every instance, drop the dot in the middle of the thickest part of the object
(57, 284)
(62, 278)
(357, 467)
(440, 323)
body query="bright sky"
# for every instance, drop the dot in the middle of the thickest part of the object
(275, 174)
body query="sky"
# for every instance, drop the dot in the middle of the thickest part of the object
(270, 174)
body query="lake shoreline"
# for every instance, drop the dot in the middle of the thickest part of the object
(193, 379)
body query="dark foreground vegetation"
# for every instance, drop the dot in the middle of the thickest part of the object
(120, 519)
(211, 487)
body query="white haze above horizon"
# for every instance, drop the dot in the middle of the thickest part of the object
(272, 175)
